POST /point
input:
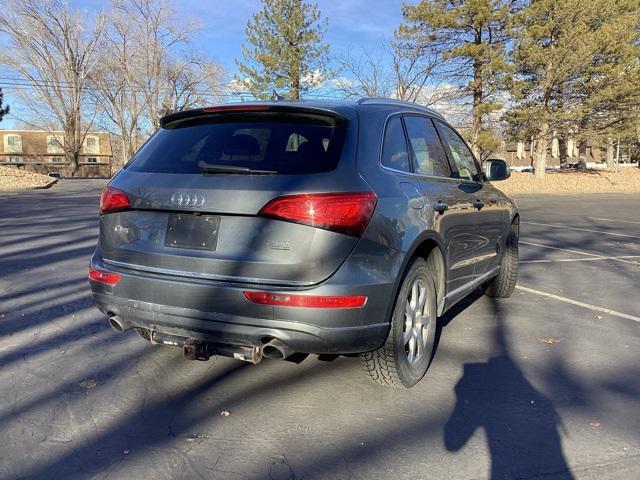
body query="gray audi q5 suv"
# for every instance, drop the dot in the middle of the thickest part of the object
(269, 229)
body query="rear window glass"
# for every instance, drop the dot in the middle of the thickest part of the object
(284, 143)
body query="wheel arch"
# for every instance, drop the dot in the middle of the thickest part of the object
(429, 247)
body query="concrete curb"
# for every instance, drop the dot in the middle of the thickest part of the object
(42, 187)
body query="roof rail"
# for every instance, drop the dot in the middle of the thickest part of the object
(394, 101)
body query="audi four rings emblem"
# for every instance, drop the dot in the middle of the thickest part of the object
(192, 200)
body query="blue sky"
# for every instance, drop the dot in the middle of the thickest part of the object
(352, 24)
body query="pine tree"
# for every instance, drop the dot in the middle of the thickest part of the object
(3, 110)
(609, 90)
(471, 36)
(284, 50)
(576, 71)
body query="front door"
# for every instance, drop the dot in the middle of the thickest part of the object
(485, 200)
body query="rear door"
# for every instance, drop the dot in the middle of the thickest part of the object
(450, 207)
(489, 214)
(197, 223)
(395, 157)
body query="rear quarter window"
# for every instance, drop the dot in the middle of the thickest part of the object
(286, 143)
(395, 154)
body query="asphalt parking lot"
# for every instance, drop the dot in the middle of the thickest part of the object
(543, 385)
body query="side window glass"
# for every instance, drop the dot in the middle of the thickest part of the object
(428, 154)
(460, 154)
(394, 147)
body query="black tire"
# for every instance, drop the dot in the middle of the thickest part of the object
(391, 364)
(503, 285)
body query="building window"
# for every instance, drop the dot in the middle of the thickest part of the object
(91, 144)
(15, 160)
(92, 159)
(555, 147)
(55, 144)
(56, 159)
(12, 143)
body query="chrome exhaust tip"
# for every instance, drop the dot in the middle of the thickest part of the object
(277, 350)
(119, 324)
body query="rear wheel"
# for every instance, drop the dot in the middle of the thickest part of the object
(405, 356)
(504, 283)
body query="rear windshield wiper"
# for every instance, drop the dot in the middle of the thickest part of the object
(218, 168)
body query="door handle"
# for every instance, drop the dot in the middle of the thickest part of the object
(440, 206)
(478, 204)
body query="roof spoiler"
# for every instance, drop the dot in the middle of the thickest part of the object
(247, 107)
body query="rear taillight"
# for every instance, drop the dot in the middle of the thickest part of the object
(341, 212)
(113, 200)
(101, 276)
(308, 301)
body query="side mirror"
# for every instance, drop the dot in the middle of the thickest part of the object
(496, 170)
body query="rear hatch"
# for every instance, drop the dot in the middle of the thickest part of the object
(195, 197)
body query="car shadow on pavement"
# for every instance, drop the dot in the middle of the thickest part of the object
(520, 424)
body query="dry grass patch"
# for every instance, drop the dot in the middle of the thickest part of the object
(13, 179)
(590, 181)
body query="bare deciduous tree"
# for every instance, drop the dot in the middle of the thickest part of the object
(51, 48)
(148, 71)
(116, 83)
(392, 70)
(366, 74)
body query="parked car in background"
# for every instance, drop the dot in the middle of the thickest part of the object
(266, 229)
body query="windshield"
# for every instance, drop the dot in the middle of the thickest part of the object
(284, 143)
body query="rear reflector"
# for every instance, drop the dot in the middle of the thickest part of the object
(103, 277)
(308, 301)
(348, 212)
(113, 200)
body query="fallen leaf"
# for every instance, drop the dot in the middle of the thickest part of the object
(599, 317)
(549, 340)
(595, 424)
(87, 384)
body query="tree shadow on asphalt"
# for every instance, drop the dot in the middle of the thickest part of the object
(520, 423)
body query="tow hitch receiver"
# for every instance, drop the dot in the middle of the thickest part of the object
(202, 350)
(196, 351)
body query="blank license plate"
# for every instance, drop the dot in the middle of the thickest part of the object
(192, 231)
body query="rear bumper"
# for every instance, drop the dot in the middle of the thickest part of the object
(218, 311)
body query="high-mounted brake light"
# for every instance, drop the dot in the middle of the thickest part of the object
(113, 200)
(231, 108)
(308, 301)
(101, 276)
(348, 212)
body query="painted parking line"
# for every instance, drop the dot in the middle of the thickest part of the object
(595, 308)
(613, 220)
(583, 230)
(590, 259)
(577, 252)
